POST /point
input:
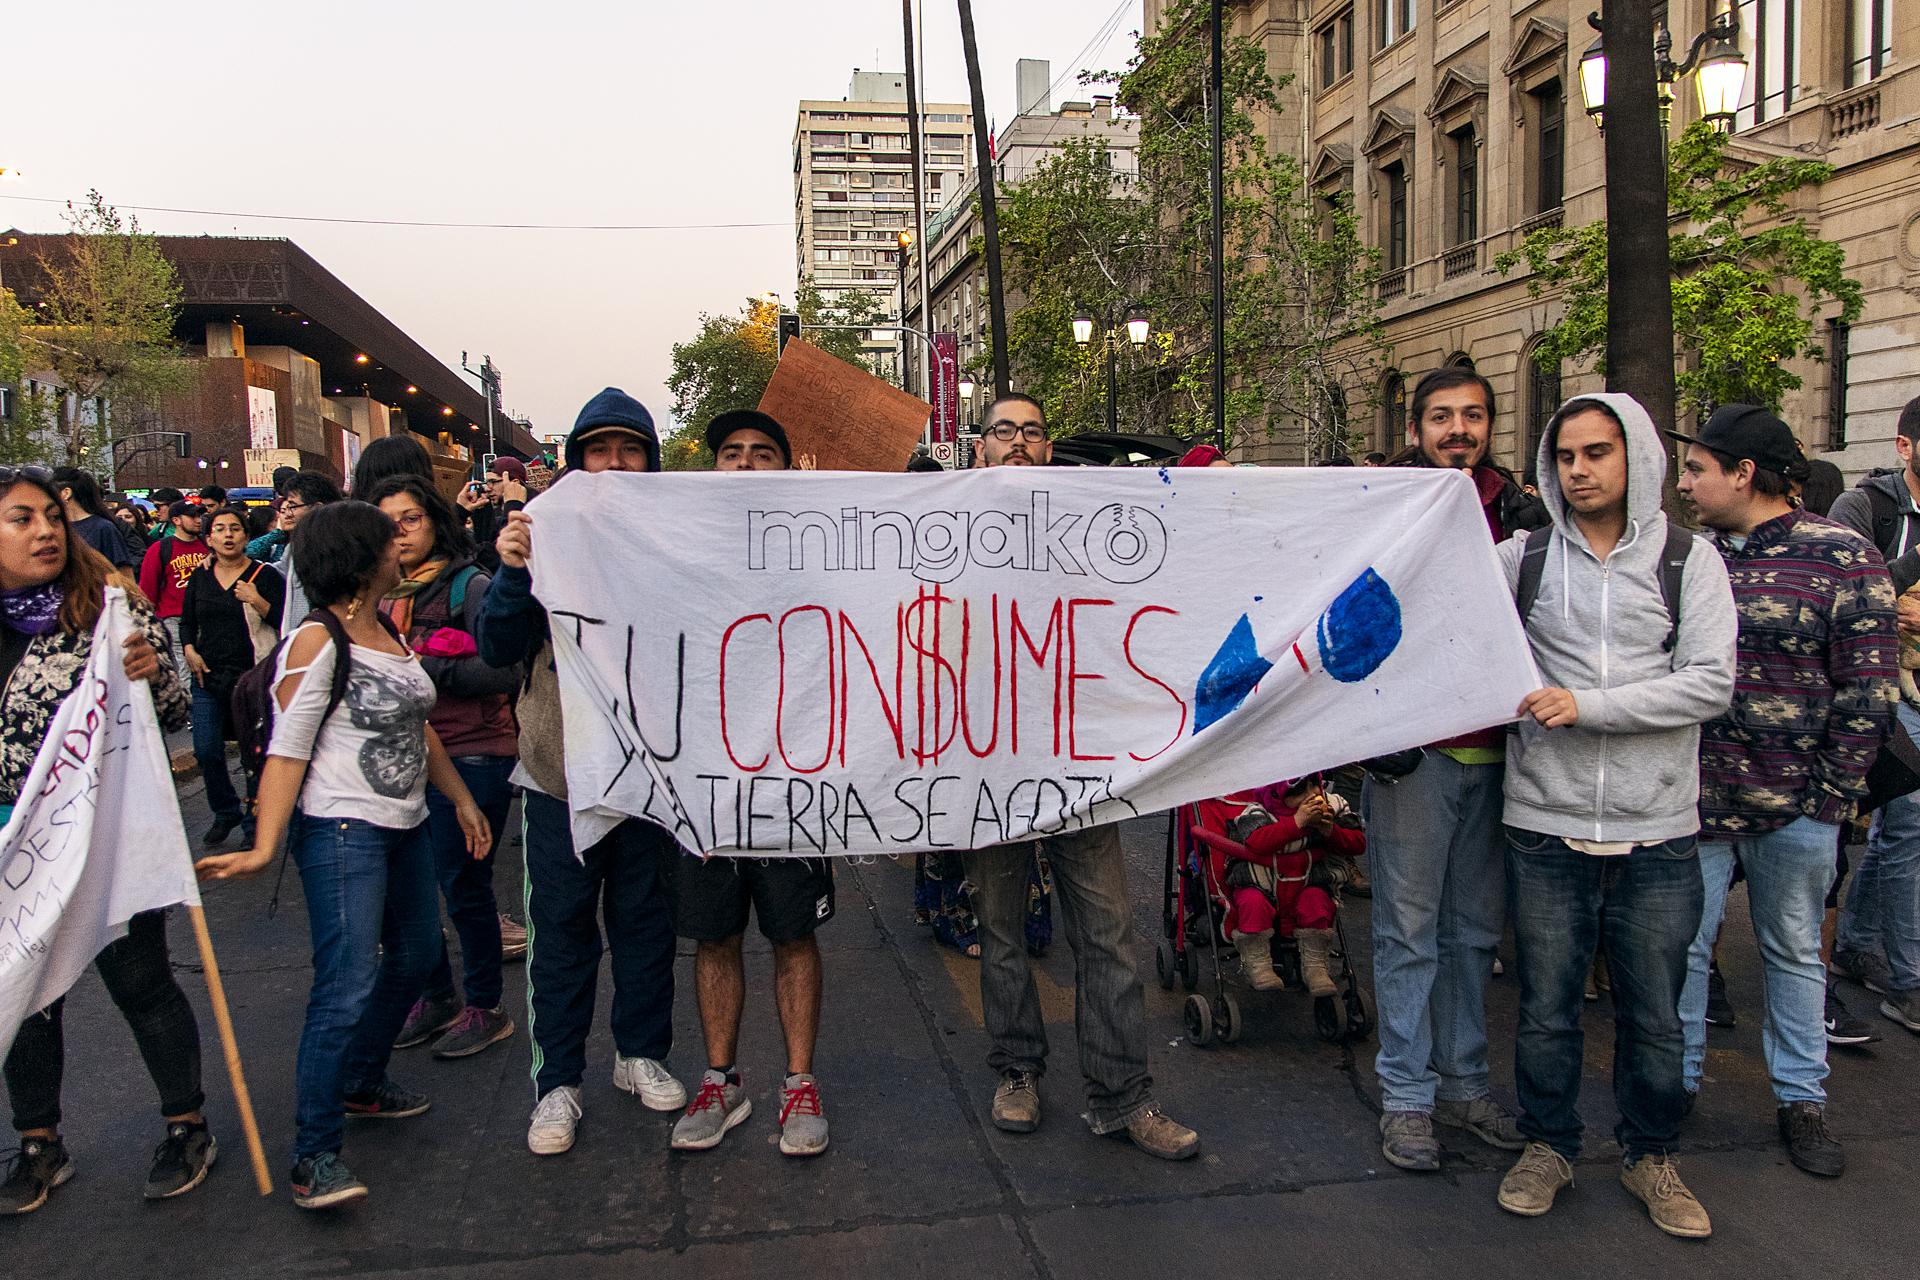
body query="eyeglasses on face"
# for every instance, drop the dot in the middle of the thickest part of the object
(1032, 433)
(410, 520)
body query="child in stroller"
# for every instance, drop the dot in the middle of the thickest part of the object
(1303, 840)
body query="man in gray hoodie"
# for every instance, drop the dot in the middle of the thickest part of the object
(1633, 627)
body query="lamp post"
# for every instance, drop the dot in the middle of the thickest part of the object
(1138, 329)
(905, 239)
(1633, 91)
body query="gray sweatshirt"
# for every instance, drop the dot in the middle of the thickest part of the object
(1630, 768)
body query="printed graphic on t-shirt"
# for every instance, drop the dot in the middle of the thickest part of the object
(393, 760)
(182, 567)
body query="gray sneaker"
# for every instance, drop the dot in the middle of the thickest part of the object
(473, 1031)
(1868, 968)
(803, 1129)
(1903, 1007)
(718, 1107)
(428, 1018)
(1485, 1119)
(1407, 1141)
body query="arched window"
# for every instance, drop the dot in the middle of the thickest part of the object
(1393, 412)
(1459, 360)
(1542, 402)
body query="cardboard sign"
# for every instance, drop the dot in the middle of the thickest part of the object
(261, 464)
(845, 417)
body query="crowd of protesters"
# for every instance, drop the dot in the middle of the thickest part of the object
(1718, 706)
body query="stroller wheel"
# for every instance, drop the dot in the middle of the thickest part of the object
(1226, 1012)
(1190, 967)
(1327, 1019)
(1165, 964)
(1199, 1021)
(1359, 1018)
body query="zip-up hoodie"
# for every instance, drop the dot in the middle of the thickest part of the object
(1630, 768)
(512, 627)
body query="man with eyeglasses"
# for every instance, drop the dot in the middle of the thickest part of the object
(1090, 875)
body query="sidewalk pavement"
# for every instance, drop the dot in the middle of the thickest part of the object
(917, 1182)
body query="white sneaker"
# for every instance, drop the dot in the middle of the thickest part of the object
(554, 1121)
(651, 1081)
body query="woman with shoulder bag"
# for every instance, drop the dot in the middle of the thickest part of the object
(347, 785)
(52, 590)
(229, 620)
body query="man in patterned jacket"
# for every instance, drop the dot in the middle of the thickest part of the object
(1815, 683)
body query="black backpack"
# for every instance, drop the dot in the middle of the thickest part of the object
(254, 705)
(1673, 566)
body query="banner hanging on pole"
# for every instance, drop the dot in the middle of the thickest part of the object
(95, 837)
(790, 665)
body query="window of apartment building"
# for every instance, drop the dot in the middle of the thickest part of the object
(1466, 186)
(1550, 146)
(829, 179)
(1396, 245)
(823, 234)
(833, 255)
(1869, 39)
(830, 218)
(1839, 336)
(831, 197)
(1391, 20)
(946, 141)
(1336, 50)
(889, 142)
(938, 118)
(829, 140)
(1543, 401)
(860, 139)
(891, 180)
(864, 256)
(1771, 31)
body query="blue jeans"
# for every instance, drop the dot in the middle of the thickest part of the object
(1109, 1005)
(1716, 875)
(210, 750)
(467, 881)
(1646, 905)
(1439, 904)
(1788, 874)
(375, 916)
(1883, 903)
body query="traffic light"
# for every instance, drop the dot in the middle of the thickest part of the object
(789, 328)
(183, 444)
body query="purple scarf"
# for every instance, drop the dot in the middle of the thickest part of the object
(33, 611)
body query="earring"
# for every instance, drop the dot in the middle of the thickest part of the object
(353, 608)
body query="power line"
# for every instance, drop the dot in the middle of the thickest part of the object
(1101, 38)
(395, 222)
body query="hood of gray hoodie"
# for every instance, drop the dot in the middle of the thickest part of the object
(1628, 770)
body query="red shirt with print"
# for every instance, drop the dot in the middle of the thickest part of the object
(166, 585)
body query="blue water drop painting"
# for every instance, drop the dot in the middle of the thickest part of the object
(1230, 677)
(1359, 629)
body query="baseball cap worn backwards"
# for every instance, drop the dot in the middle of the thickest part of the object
(1749, 431)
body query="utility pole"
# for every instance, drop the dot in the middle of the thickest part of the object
(989, 216)
(1639, 270)
(1216, 103)
(489, 379)
(917, 141)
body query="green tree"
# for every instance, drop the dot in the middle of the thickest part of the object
(729, 364)
(103, 328)
(1304, 342)
(1748, 279)
(22, 438)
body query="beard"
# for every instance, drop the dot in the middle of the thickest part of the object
(1466, 462)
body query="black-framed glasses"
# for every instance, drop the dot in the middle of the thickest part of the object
(39, 475)
(1005, 431)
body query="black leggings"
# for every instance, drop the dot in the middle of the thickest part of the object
(140, 980)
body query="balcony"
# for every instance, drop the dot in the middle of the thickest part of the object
(1393, 284)
(1855, 113)
(1552, 219)
(1461, 261)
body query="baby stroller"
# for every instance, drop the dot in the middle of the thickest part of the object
(1196, 908)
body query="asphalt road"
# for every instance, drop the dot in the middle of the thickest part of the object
(1290, 1182)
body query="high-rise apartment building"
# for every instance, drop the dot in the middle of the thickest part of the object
(853, 182)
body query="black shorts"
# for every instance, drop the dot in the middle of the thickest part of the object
(791, 897)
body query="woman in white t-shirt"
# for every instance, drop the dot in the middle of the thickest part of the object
(349, 791)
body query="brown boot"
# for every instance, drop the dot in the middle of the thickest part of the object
(1315, 945)
(1256, 960)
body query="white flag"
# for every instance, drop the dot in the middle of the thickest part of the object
(95, 836)
(793, 664)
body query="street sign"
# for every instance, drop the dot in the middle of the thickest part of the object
(943, 453)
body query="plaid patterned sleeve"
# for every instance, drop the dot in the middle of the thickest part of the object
(1863, 667)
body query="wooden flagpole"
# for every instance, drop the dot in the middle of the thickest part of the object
(231, 1048)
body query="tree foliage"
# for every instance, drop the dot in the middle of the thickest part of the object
(102, 330)
(1748, 279)
(1304, 344)
(729, 364)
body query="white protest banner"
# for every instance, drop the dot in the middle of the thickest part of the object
(95, 837)
(790, 664)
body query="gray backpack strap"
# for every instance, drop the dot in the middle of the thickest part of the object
(1673, 568)
(1532, 564)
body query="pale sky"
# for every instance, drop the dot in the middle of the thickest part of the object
(570, 111)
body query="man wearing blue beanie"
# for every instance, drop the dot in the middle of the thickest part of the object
(626, 876)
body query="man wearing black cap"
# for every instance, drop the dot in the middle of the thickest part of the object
(791, 897)
(1787, 763)
(625, 876)
(748, 440)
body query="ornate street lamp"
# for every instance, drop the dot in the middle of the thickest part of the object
(1138, 326)
(1720, 71)
(1082, 327)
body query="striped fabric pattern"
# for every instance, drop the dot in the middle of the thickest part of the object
(1816, 679)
